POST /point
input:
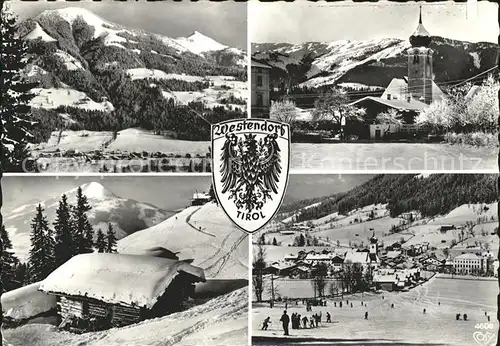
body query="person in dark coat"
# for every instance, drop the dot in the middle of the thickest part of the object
(266, 322)
(292, 318)
(335, 304)
(465, 317)
(392, 305)
(298, 321)
(457, 317)
(304, 321)
(351, 305)
(366, 315)
(340, 304)
(311, 322)
(285, 320)
(328, 318)
(424, 311)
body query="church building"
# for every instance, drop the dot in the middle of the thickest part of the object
(408, 95)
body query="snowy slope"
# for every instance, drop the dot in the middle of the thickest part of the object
(371, 62)
(220, 321)
(204, 234)
(26, 302)
(126, 215)
(38, 32)
(52, 98)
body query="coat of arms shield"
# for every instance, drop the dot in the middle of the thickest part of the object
(250, 159)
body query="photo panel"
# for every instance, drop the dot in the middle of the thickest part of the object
(121, 260)
(385, 86)
(405, 259)
(122, 87)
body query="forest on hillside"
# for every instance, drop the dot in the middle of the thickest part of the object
(436, 194)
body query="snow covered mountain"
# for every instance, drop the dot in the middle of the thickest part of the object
(81, 61)
(126, 215)
(371, 62)
(204, 234)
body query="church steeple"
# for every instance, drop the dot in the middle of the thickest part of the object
(420, 64)
(421, 37)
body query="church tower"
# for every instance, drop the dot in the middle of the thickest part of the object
(420, 64)
(374, 245)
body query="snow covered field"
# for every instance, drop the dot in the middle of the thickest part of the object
(220, 321)
(223, 87)
(82, 141)
(391, 156)
(142, 140)
(131, 140)
(53, 97)
(404, 323)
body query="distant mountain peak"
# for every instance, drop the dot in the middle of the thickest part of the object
(96, 191)
(71, 13)
(199, 43)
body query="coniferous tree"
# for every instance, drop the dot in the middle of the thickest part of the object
(110, 239)
(40, 259)
(88, 238)
(8, 262)
(100, 242)
(15, 91)
(80, 222)
(63, 226)
(211, 193)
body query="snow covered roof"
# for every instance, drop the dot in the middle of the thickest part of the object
(471, 256)
(201, 195)
(398, 104)
(132, 280)
(255, 63)
(26, 302)
(393, 254)
(357, 257)
(385, 278)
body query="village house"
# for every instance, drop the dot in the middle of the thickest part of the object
(408, 95)
(101, 290)
(280, 268)
(446, 228)
(470, 263)
(260, 98)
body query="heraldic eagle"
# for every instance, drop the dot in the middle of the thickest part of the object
(250, 169)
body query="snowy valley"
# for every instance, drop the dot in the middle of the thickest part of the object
(103, 78)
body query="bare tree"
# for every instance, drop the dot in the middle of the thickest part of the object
(319, 274)
(259, 263)
(284, 111)
(391, 117)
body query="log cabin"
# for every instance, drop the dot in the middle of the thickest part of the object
(99, 290)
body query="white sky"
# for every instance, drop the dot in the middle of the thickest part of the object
(304, 21)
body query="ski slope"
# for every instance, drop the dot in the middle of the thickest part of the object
(204, 234)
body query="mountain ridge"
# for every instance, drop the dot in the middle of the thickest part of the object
(370, 62)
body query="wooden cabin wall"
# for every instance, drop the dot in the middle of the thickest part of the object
(124, 315)
(69, 307)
